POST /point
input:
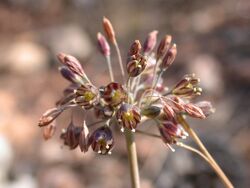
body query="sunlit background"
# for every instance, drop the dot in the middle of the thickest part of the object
(213, 41)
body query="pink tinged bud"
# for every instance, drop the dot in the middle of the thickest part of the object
(135, 48)
(73, 65)
(49, 116)
(109, 30)
(70, 76)
(206, 107)
(164, 46)
(150, 42)
(194, 111)
(169, 57)
(103, 45)
(49, 131)
(171, 131)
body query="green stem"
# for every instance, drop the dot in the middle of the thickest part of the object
(132, 157)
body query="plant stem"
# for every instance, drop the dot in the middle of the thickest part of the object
(119, 60)
(110, 68)
(132, 157)
(217, 168)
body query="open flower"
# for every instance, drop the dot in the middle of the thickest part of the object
(101, 140)
(128, 116)
(114, 94)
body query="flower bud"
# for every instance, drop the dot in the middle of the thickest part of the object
(150, 42)
(102, 141)
(169, 57)
(114, 94)
(49, 116)
(163, 46)
(103, 45)
(86, 96)
(71, 136)
(151, 111)
(70, 76)
(49, 131)
(128, 116)
(171, 131)
(206, 107)
(135, 48)
(136, 65)
(194, 111)
(72, 63)
(84, 138)
(108, 28)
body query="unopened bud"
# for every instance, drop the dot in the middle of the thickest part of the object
(151, 111)
(49, 131)
(169, 57)
(206, 107)
(135, 48)
(103, 45)
(164, 46)
(194, 111)
(108, 28)
(150, 42)
(49, 116)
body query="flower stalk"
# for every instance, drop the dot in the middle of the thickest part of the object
(213, 163)
(132, 157)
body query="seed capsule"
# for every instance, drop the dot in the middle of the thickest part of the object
(163, 46)
(128, 116)
(169, 57)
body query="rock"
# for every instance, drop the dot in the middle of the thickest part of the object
(71, 39)
(26, 57)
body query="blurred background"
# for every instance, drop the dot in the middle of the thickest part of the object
(213, 42)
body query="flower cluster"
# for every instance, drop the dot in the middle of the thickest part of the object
(126, 104)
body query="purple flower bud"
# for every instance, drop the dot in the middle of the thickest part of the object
(102, 141)
(73, 64)
(169, 57)
(49, 116)
(71, 136)
(103, 45)
(114, 94)
(128, 116)
(69, 75)
(150, 42)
